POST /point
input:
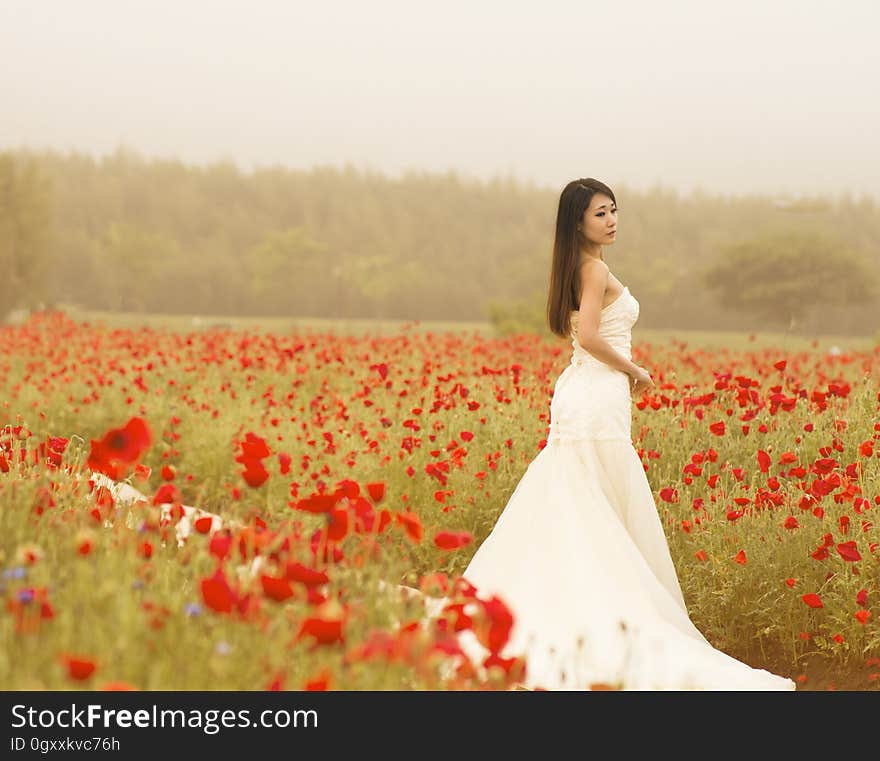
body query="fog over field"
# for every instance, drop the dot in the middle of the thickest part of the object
(773, 96)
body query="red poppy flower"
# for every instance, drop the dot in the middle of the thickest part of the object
(167, 494)
(452, 540)
(436, 583)
(119, 447)
(255, 473)
(252, 448)
(326, 626)
(319, 683)
(129, 442)
(412, 523)
(813, 600)
(493, 626)
(117, 686)
(203, 524)
(376, 490)
(220, 544)
(318, 503)
(337, 526)
(275, 588)
(79, 668)
(217, 593)
(848, 551)
(85, 541)
(284, 462)
(296, 571)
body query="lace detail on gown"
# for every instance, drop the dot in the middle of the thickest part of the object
(591, 400)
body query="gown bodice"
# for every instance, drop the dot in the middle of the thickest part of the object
(615, 326)
(591, 399)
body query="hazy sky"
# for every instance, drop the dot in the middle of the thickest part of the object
(777, 96)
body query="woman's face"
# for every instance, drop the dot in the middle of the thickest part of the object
(599, 222)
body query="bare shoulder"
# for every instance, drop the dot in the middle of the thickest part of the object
(594, 276)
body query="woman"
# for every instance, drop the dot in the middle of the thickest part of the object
(579, 554)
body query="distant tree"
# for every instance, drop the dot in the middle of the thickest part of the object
(371, 278)
(783, 276)
(512, 316)
(286, 273)
(131, 267)
(24, 234)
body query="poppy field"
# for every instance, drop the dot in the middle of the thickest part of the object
(228, 509)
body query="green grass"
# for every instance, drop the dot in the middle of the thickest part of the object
(746, 609)
(179, 323)
(186, 323)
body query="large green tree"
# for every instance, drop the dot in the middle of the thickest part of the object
(781, 276)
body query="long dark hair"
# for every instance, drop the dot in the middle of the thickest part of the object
(564, 295)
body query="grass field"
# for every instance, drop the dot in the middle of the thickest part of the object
(282, 325)
(763, 456)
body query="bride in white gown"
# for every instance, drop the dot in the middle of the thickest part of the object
(579, 554)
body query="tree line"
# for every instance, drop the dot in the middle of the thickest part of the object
(125, 233)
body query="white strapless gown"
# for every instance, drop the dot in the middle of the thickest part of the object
(579, 551)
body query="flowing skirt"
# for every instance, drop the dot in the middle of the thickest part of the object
(580, 557)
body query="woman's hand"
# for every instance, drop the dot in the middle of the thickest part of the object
(640, 381)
